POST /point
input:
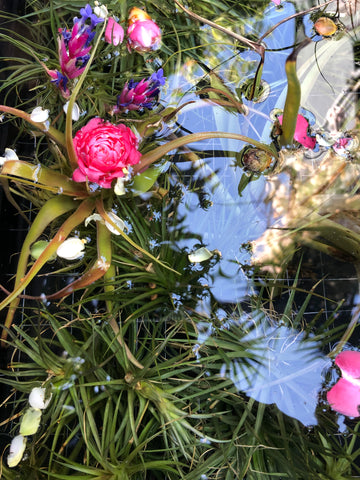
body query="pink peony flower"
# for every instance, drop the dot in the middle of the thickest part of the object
(104, 152)
(114, 33)
(301, 132)
(344, 396)
(143, 36)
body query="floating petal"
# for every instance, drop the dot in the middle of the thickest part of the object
(344, 397)
(200, 255)
(75, 113)
(349, 364)
(9, 155)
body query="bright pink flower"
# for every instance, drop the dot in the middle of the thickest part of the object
(114, 33)
(104, 152)
(277, 2)
(301, 132)
(344, 396)
(143, 36)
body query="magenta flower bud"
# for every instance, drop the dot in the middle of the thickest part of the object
(114, 33)
(143, 36)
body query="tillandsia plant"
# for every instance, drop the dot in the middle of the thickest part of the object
(95, 162)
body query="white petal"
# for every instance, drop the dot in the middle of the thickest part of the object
(30, 422)
(101, 11)
(39, 115)
(9, 155)
(71, 249)
(200, 255)
(37, 398)
(94, 217)
(75, 114)
(118, 222)
(17, 448)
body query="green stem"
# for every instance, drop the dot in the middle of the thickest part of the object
(154, 155)
(352, 324)
(107, 219)
(42, 177)
(68, 125)
(83, 211)
(52, 209)
(98, 269)
(51, 132)
(343, 238)
(293, 97)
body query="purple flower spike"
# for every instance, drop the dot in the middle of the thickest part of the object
(74, 49)
(140, 95)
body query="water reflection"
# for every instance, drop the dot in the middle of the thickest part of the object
(276, 364)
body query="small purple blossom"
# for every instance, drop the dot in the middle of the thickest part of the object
(86, 14)
(140, 95)
(158, 77)
(61, 81)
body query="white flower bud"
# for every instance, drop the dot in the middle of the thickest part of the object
(17, 448)
(71, 249)
(100, 10)
(37, 398)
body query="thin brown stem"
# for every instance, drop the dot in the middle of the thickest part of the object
(298, 14)
(257, 47)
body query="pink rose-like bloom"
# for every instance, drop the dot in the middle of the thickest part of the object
(344, 396)
(114, 32)
(143, 36)
(104, 152)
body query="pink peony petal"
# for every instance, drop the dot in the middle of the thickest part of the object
(344, 397)
(78, 176)
(349, 364)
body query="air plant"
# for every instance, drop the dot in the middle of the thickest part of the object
(91, 189)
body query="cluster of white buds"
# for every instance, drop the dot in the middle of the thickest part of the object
(29, 424)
